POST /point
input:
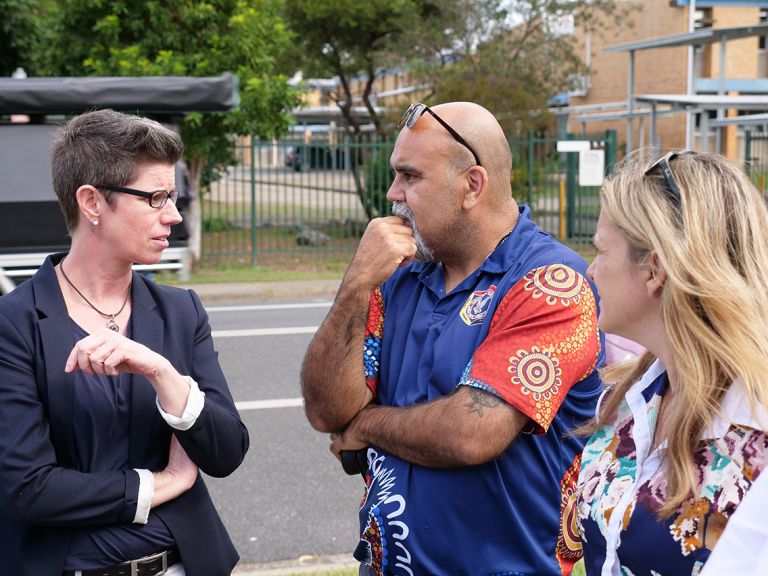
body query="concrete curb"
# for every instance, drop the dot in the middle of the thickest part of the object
(240, 292)
(307, 564)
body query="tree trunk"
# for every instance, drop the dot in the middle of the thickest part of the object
(195, 212)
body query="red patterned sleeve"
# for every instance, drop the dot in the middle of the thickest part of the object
(568, 550)
(374, 331)
(543, 339)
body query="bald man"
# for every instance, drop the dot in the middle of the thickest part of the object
(479, 339)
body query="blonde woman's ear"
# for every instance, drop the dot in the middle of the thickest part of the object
(658, 276)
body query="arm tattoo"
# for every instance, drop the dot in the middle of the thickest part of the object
(480, 400)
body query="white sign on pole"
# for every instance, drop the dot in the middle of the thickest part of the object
(572, 145)
(591, 167)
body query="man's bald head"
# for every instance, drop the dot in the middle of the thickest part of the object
(482, 131)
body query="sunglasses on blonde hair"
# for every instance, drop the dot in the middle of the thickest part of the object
(662, 165)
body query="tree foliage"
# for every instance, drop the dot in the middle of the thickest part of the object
(511, 56)
(353, 40)
(181, 38)
(23, 30)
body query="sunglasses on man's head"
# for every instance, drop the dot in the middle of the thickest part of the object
(662, 165)
(157, 198)
(416, 111)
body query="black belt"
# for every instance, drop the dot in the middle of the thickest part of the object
(147, 566)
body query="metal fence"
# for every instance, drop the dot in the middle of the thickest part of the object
(756, 158)
(312, 199)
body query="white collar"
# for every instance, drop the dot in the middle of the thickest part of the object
(734, 408)
(654, 371)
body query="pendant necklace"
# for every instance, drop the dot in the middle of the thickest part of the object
(111, 324)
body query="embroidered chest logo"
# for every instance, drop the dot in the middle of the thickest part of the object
(476, 306)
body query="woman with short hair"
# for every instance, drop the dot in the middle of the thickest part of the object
(111, 393)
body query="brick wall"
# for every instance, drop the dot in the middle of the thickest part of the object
(663, 70)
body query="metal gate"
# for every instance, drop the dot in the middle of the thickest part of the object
(306, 198)
(756, 158)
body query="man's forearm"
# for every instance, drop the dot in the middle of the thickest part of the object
(467, 428)
(332, 378)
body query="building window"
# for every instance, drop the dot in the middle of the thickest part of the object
(702, 18)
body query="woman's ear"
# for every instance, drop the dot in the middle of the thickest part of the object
(90, 201)
(658, 276)
(477, 182)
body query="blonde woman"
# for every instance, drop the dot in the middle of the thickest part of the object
(680, 434)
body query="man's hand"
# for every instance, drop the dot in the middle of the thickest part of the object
(386, 245)
(345, 441)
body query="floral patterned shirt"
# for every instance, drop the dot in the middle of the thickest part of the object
(621, 486)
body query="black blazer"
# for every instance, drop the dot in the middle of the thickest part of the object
(42, 494)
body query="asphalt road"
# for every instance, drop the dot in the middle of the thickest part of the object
(290, 501)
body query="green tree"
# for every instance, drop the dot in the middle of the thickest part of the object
(184, 38)
(513, 57)
(509, 56)
(23, 29)
(354, 41)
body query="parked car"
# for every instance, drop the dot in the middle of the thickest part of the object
(314, 157)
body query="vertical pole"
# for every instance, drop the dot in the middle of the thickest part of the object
(704, 130)
(570, 175)
(610, 150)
(562, 208)
(530, 169)
(630, 101)
(720, 92)
(747, 151)
(689, 115)
(253, 201)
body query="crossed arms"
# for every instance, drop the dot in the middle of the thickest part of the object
(468, 427)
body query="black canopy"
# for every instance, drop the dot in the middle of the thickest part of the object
(158, 94)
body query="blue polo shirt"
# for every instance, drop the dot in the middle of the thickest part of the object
(523, 327)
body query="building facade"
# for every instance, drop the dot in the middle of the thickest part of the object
(670, 70)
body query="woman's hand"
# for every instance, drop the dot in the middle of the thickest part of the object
(108, 353)
(177, 477)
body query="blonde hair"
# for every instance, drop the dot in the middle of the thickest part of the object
(713, 246)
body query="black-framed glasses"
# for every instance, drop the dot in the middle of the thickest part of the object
(662, 164)
(157, 198)
(416, 111)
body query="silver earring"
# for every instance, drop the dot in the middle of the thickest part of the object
(95, 223)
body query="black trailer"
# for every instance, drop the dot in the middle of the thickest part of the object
(31, 109)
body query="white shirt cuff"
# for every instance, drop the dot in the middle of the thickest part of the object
(146, 492)
(195, 403)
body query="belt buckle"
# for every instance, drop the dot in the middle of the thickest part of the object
(162, 555)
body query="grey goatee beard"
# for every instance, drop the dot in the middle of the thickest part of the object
(423, 252)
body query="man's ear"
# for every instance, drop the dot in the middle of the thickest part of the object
(657, 277)
(477, 182)
(90, 201)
